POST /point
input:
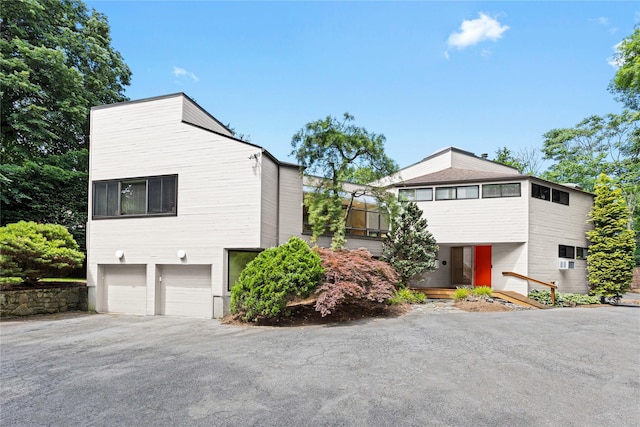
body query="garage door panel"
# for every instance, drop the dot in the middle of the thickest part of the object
(126, 288)
(185, 290)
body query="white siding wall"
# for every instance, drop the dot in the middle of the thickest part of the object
(464, 161)
(553, 224)
(218, 190)
(509, 257)
(290, 203)
(194, 114)
(477, 220)
(424, 167)
(269, 202)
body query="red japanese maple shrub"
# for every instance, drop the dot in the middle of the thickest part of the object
(353, 276)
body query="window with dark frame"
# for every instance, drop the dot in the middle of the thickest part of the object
(566, 252)
(540, 192)
(581, 253)
(457, 193)
(500, 190)
(146, 196)
(559, 196)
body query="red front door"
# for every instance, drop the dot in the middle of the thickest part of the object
(482, 266)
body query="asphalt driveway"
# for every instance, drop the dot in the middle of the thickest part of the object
(561, 367)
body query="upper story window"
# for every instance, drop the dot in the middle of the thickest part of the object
(559, 196)
(135, 197)
(540, 192)
(460, 192)
(416, 195)
(546, 193)
(364, 217)
(500, 190)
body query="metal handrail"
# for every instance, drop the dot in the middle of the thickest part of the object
(551, 284)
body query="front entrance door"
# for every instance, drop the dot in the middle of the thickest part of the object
(461, 265)
(482, 266)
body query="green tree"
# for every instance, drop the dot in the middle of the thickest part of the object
(612, 245)
(33, 251)
(52, 193)
(409, 247)
(626, 83)
(57, 62)
(609, 144)
(337, 151)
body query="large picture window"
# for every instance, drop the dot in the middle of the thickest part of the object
(364, 217)
(135, 197)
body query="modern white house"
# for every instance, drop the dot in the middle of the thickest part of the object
(488, 219)
(178, 206)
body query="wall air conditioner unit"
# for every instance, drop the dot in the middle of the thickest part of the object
(565, 264)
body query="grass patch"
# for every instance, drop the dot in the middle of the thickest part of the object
(408, 296)
(460, 294)
(482, 291)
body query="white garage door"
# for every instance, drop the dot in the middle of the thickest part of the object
(126, 287)
(185, 290)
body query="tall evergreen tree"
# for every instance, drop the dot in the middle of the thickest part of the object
(612, 245)
(409, 247)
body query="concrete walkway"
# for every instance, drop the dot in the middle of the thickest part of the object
(561, 367)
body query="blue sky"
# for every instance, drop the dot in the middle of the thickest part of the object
(427, 75)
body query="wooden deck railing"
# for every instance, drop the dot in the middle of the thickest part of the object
(551, 284)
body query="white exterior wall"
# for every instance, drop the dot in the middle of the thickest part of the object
(269, 201)
(219, 192)
(291, 195)
(447, 158)
(477, 221)
(512, 258)
(552, 224)
(464, 161)
(194, 114)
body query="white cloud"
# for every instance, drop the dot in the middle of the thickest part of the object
(615, 61)
(181, 72)
(446, 55)
(602, 20)
(478, 30)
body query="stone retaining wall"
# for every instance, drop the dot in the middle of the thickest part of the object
(43, 301)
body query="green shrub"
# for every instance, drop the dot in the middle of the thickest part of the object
(275, 277)
(563, 299)
(404, 295)
(32, 251)
(460, 293)
(482, 291)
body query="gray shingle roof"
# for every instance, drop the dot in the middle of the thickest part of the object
(453, 175)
